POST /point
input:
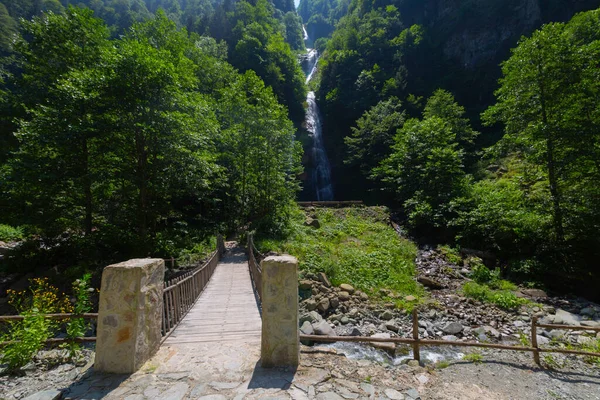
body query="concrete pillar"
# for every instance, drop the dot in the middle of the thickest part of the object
(280, 341)
(129, 315)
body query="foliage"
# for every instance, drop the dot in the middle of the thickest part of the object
(482, 275)
(451, 254)
(9, 233)
(29, 335)
(474, 357)
(137, 145)
(502, 298)
(352, 245)
(425, 169)
(77, 327)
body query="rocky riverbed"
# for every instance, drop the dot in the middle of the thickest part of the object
(446, 314)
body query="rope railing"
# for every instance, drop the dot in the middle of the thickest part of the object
(255, 270)
(180, 294)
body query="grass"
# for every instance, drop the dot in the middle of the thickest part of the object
(9, 233)
(355, 246)
(503, 298)
(473, 357)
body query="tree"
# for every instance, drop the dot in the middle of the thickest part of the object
(52, 169)
(373, 136)
(425, 169)
(548, 103)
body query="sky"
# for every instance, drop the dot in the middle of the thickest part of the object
(296, 2)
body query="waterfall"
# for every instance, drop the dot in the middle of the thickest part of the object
(320, 176)
(321, 173)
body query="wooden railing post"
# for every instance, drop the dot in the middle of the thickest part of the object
(415, 331)
(129, 314)
(534, 343)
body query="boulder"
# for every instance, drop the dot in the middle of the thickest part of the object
(347, 288)
(323, 328)
(364, 296)
(452, 328)
(410, 298)
(386, 315)
(567, 318)
(307, 328)
(388, 347)
(310, 304)
(323, 305)
(591, 324)
(305, 285)
(334, 302)
(430, 283)
(589, 311)
(323, 279)
(344, 296)
(355, 332)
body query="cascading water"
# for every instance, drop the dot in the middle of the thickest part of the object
(320, 176)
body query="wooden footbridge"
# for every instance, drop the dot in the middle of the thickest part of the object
(227, 308)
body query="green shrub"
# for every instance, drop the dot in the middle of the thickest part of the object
(77, 327)
(28, 336)
(482, 274)
(9, 233)
(502, 298)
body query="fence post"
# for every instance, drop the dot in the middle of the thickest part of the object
(415, 326)
(280, 341)
(129, 315)
(534, 343)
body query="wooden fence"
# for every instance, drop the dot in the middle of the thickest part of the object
(254, 266)
(417, 342)
(180, 294)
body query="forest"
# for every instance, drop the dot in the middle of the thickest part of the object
(143, 127)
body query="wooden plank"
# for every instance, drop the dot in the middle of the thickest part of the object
(226, 309)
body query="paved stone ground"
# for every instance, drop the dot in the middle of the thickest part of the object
(211, 371)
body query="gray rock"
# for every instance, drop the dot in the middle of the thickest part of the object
(386, 315)
(334, 302)
(355, 332)
(393, 394)
(323, 305)
(453, 328)
(177, 391)
(307, 328)
(556, 334)
(344, 320)
(391, 325)
(535, 293)
(323, 328)
(347, 288)
(413, 394)
(589, 311)
(344, 296)
(591, 324)
(323, 279)
(567, 318)
(450, 338)
(542, 340)
(51, 394)
(311, 304)
(329, 396)
(305, 285)
(430, 283)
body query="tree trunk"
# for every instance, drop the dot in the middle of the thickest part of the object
(87, 187)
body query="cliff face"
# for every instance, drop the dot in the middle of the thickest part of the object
(473, 33)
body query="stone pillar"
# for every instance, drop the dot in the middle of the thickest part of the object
(280, 341)
(129, 314)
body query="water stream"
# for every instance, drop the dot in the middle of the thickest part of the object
(320, 176)
(357, 351)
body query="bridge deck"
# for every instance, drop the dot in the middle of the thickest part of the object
(226, 310)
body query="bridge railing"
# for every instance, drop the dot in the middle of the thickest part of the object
(255, 269)
(180, 294)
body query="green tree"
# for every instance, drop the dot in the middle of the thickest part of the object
(425, 169)
(547, 101)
